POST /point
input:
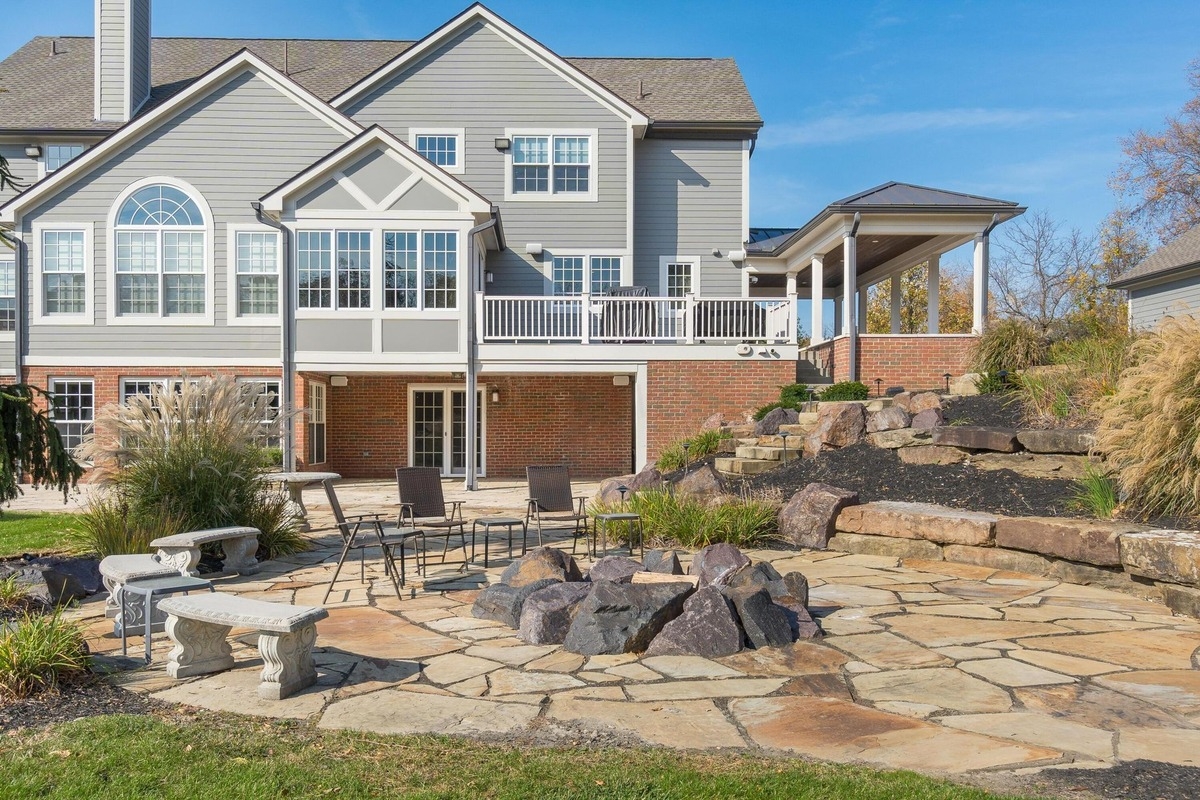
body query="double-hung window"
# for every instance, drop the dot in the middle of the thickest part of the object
(160, 255)
(257, 257)
(333, 269)
(572, 274)
(678, 278)
(64, 278)
(73, 410)
(270, 391)
(8, 294)
(552, 165)
(316, 423)
(420, 269)
(442, 147)
(57, 155)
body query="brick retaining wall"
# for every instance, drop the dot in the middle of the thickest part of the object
(914, 361)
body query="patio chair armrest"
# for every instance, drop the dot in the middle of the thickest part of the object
(362, 517)
(531, 508)
(454, 509)
(581, 506)
(406, 513)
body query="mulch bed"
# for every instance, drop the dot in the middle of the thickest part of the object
(1132, 780)
(90, 697)
(990, 410)
(879, 474)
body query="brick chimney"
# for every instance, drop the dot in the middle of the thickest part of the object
(122, 58)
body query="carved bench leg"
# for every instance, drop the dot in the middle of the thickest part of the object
(135, 611)
(240, 555)
(183, 559)
(287, 662)
(200, 647)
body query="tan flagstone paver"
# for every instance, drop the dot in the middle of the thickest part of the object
(599, 677)
(593, 693)
(818, 686)
(964, 653)
(904, 709)
(1153, 649)
(888, 650)
(455, 667)
(1067, 665)
(690, 667)
(372, 674)
(1159, 744)
(799, 658)
(685, 724)
(946, 569)
(1104, 625)
(1037, 729)
(837, 594)
(634, 672)
(957, 610)
(1051, 613)
(943, 686)
(1096, 707)
(471, 687)
(946, 631)
(459, 624)
(1007, 672)
(513, 681)
(514, 655)
(559, 661)
(1175, 690)
(394, 711)
(237, 690)
(375, 633)
(602, 663)
(693, 690)
(985, 592)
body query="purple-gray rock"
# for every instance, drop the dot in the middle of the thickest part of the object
(66, 579)
(891, 418)
(547, 614)
(807, 519)
(624, 617)
(1058, 440)
(662, 561)
(503, 603)
(707, 627)
(618, 569)
(539, 564)
(927, 420)
(795, 585)
(760, 573)
(716, 563)
(765, 623)
(769, 424)
(701, 481)
(802, 624)
(971, 437)
(649, 478)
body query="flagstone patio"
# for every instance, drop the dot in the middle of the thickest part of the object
(932, 666)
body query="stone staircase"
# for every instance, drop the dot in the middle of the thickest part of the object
(754, 455)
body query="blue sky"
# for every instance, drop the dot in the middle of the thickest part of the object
(1025, 101)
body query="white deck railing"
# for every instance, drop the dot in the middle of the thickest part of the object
(589, 319)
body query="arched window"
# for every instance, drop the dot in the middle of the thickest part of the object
(160, 254)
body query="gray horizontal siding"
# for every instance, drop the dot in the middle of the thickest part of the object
(479, 82)
(334, 335)
(420, 336)
(111, 44)
(1148, 306)
(688, 200)
(23, 168)
(234, 146)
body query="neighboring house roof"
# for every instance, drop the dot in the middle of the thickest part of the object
(56, 92)
(1182, 253)
(891, 197)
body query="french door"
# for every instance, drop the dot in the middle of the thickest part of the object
(437, 424)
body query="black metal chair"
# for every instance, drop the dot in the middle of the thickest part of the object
(362, 531)
(424, 508)
(551, 501)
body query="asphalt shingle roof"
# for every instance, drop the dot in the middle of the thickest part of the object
(47, 83)
(1182, 252)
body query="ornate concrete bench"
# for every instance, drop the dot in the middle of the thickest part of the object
(199, 625)
(182, 551)
(115, 572)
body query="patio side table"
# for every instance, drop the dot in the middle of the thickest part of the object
(507, 522)
(149, 588)
(633, 522)
(295, 483)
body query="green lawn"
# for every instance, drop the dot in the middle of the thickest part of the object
(223, 756)
(35, 532)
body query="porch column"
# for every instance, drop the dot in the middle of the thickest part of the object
(897, 286)
(849, 286)
(641, 408)
(791, 285)
(980, 285)
(860, 315)
(837, 316)
(933, 288)
(818, 299)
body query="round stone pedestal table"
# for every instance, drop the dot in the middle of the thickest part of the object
(295, 483)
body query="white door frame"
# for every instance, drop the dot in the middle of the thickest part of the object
(447, 422)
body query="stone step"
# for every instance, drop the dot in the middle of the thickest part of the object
(761, 453)
(749, 441)
(744, 466)
(794, 441)
(737, 431)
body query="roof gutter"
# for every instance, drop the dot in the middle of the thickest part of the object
(471, 482)
(1153, 277)
(287, 383)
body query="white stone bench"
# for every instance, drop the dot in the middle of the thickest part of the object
(115, 572)
(199, 625)
(182, 550)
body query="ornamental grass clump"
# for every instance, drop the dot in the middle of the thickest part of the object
(1150, 426)
(694, 522)
(39, 650)
(1080, 374)
(1011, 345)
(675, 457)
(189, 457)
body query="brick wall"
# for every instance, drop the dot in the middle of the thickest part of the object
(682, 394)
(914, 361)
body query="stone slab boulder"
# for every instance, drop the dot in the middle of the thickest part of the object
(933, 523)
(1035, 465)
(928, 419)
(966, 385)
(717, 563)
(624, 617)
(916, 402)
(69, 579)
(769, 424)
(1164, 555)
(648, 478)
(888, 419)
(662, 561)
(1058, 440)
(795, 586)
(547, 614)
(714, 422)
(504, 603)
(618, 569)
(894, 440)
(708, 627)
(838, 425)
(758, 573)
(807, 519)
(701, 481)
(977, 437)
(765, 623)
(802, 625)
(932, 454)
(539, 564)
(1090, 541)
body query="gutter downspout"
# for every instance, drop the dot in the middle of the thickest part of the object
(287, 386)
(471, 407)
(850, 313)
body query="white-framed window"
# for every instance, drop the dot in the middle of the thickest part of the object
(56, 155)
(159, 256)
(420, 269)
(63, 272)
(316, 423)
(333, 269)
(442, 146)
(572, 274)
(678, 277)
(73, 409)
(8, 294)
(271, 390)
(255, 290)
(559, 165)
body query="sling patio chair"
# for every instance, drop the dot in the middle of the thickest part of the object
(362, 531)
(423, 507)
(551, 501)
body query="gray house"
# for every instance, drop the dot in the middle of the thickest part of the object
(1166, 284)
(411, 240)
